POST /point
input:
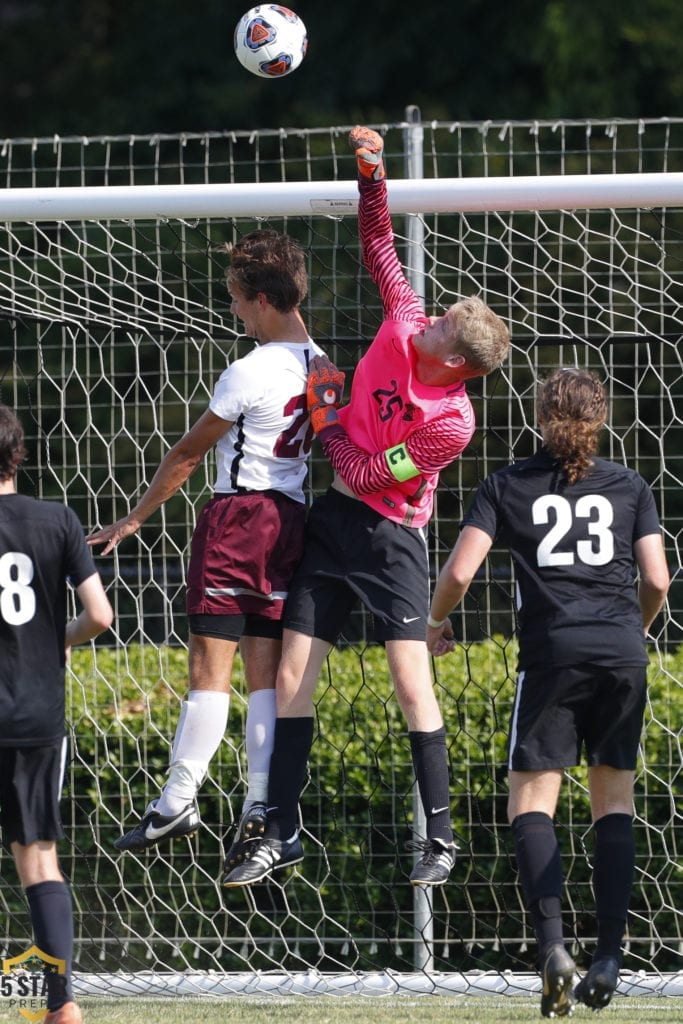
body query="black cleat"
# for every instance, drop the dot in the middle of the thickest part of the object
(154, 827)
(558, 977)
(436, 862)
(251, 826)
(598, 986)
(263, 857)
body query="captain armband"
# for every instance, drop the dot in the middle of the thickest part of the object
(400, 463)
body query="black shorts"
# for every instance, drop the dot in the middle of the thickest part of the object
(561, 709)
(31, 781)
(353, 553)
(234, 627)
(245, 549)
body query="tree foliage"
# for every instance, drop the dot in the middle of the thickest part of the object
(97, 67)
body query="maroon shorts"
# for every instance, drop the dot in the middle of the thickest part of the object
(245, 549)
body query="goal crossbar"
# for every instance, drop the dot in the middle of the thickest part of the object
(337, 198)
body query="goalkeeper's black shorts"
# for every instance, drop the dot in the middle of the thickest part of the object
(353, 554)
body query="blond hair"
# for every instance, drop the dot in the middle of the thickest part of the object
(479, 335)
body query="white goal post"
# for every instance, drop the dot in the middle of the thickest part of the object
(338, 198)
(114, 325)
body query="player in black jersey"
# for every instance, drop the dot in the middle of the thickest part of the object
(579, 529)
(41, 547)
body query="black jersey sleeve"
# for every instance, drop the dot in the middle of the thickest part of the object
(79, 564)
(484, 513)
(647, 518)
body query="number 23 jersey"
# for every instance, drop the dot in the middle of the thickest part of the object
(572, 548)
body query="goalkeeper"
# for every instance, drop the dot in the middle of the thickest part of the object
(366, 538)
(578, 528)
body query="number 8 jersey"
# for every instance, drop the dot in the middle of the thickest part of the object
(572, 548)
(41, 545)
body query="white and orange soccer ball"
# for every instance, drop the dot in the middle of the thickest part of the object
(270, 41)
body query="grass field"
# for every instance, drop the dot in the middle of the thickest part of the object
(359, 1010)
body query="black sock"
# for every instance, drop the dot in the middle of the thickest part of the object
(430, 760)
(613, 869)
(540, 874)
(51, 913)
(287, 774)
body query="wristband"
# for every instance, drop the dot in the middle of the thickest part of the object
(434, 623)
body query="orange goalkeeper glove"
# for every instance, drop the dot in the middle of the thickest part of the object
(323, 392)
(368, 146)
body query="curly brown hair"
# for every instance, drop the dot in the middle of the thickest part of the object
(12, 450)
(266, 262)
(572, 409)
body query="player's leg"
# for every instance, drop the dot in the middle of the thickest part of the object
(408, 662)
(614, 858)
(200, 730)
(222, 578)
(532, 801)
(261, 657)
(397, 594)
(531, 807)
(546, 733)
(612, 738)
(318, 604)
(31, 825)
(409, 666)
(273, 566)
(51, 912)
(298, 674)
(204, 715)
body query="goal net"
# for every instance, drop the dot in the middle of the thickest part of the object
(114, 326)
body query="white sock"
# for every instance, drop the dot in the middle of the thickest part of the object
(260, 730)
(201, 727)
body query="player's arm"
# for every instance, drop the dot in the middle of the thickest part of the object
(376, 232)
(96, 616)
(427, 450)
(399, 300)
(653, 584)
(472, 547)
(175, 468)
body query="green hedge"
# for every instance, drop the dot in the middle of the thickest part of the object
(351, 905)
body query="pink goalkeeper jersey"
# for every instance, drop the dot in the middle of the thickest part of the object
(388, 403)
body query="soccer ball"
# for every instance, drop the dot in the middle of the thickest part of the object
(270, 41)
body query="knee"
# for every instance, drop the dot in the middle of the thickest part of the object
(37, 863)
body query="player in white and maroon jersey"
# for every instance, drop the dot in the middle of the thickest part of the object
(42, 547)
(249, 536)
(578, 528)
(408, 417)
